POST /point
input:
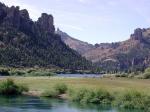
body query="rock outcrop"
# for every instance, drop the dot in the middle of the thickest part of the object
(137, 34)
(46, 23)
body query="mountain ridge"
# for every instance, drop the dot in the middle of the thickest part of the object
(27, 43)
(129, 55)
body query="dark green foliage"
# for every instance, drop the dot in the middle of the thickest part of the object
(4, 72)
(51, 94)
(58, 89)
(89, 96)
(61, 88)
(8, 87)
(133, 100)
(121, 75)
(146, 74)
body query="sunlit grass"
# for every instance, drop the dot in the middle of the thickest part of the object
(112, 85)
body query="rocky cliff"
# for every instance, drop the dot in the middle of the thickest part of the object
(28, 43)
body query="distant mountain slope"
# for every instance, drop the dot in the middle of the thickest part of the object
(26, 43)
(129, 55)
(79, 46)
(132, 54)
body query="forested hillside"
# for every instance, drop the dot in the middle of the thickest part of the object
(27, 43)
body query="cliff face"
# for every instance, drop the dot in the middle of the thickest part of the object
(24, 42)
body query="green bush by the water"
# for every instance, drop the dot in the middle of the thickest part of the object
(133, 100)
(88, 96)
(58, 89)
(51, 93)
(8, 87)
(61, 88)
(128, 100)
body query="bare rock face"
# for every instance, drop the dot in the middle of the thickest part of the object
(13, 17)
(2, 12)
(24, 13)
(26, 24)
(137, 34)
(46, 23)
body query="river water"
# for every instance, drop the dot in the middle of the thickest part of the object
(79, 75)
(34, 104)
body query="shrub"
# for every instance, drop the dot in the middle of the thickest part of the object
(4, 72)
(51, 94)
(78, 95)
(89, 96)
(146, 75)
(17, 73)
(121, 75)
(61, 88)
(133, 100)
(8, 87)
(58, 89)
(40, 73)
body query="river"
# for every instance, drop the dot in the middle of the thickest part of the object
(35, 104)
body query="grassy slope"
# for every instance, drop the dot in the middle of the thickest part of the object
(112, 85)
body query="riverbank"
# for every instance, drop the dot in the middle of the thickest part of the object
(90, 90)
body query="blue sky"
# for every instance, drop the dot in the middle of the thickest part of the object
(93, 21)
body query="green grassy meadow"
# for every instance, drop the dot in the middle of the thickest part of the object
(111, 85)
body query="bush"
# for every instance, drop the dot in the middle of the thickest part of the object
(133, 100)
(89, 96)
(17, 73)
(51, 94)
(146, 75)
(121, 75)
(8, 87)
(57, 90)
(4, 72)
(40, 73)
(61, 88)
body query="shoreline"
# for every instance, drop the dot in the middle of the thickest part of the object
(39, 94)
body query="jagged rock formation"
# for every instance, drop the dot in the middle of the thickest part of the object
(26, 43)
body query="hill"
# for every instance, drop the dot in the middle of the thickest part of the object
(27, 43)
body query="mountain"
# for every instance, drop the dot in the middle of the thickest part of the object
(27, 43)
(80, 46)
(130, 55)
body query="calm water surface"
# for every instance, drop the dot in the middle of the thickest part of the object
(79, 75)
(34, 104)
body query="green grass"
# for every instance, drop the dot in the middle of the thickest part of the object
(112, 85)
